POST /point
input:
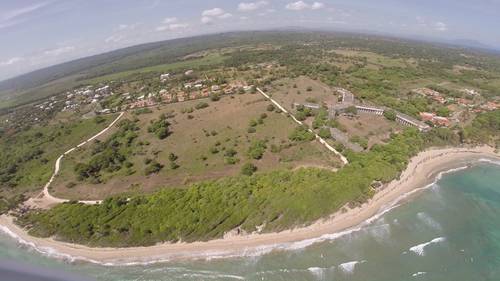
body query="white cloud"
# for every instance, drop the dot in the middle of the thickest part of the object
(11, 61)
(297, 6)
(12, 14)
(209, 16)
(172, 27)
(215, 12)
(207, 20)
(317, 6)
(251, 6)
(225, 16)
(115, 38)
(59, 51)
(170, 20)
(440, 26)
(301, 5)
(122, 26)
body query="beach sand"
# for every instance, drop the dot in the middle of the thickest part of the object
(420, 172)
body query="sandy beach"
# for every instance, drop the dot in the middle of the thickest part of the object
(422, 170)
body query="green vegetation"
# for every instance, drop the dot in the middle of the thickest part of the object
(27, 157)
(109, 156)
(257, 149)
(390, 114)
(301, 133)
(248, 169)
(206, 210)
(160, 127)
(485, 128)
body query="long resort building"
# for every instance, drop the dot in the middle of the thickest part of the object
(400, 117)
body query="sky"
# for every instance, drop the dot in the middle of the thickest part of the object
(39, 33)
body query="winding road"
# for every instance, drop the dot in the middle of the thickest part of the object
(45, 199)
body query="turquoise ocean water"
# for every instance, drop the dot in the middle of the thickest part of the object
(451, 231)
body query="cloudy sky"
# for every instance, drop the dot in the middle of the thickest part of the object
(39, 33)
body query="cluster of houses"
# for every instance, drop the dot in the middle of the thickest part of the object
(434, 119)
(434, 95)
(200, 88)
(86, 95)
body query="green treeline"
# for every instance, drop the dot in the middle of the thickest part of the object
(277, 200)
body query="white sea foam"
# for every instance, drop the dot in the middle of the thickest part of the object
(491, 161)
(348, 267)
(428, 220)
(420, 273)
(380, 232)
(318, 272)
(420, 248)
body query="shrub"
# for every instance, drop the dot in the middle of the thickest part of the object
(160, 127)
(201, 105)
(248, 169)
(325, 133)
(257, 149)
(172, 157)
(301, 133)
(390, 114)
(270, 108)
(153, 168)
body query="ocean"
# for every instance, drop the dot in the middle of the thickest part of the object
(450, 231)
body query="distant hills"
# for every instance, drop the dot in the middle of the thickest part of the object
(52, 80)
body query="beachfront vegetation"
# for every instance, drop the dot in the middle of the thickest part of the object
(277, 200)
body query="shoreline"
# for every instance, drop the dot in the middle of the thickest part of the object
(422, 171)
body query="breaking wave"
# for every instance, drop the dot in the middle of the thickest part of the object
(420, 248)
(348, 267)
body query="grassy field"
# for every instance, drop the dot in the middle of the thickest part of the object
(27, 158)
(374, 129)
(375, 59)
(222, 126)
(301, 90)
(210, 59)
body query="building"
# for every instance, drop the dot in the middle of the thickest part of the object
(347, 96)
(370, 110)
(434, 119)
(410, 121)
(308, 105)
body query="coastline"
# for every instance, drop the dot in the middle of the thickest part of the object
(421, 172)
